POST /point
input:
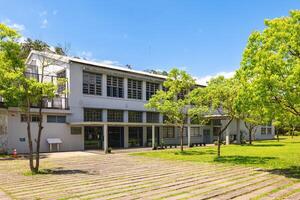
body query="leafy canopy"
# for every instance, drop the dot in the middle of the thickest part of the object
(173, 101)
(271, 64)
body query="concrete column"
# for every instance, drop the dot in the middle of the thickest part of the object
(126, 136)
(104, 115)
(105, 134)
(125, 88)
(238, 130)
(104, 85)
(144, 136)
(227, 137)
(153, 136)
(125, 115)
(144, 91)
(144, 117)
(189, 131)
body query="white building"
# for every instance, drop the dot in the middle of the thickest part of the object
(104, 107)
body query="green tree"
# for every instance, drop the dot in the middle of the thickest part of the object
(19, 89)
(219, 97)
(271, 64)
(249, 108)
(174, 102)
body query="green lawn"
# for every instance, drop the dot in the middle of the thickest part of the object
(278, 157)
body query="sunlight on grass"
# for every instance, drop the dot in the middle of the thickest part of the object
(282, 157)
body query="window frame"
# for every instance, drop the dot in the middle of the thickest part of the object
(135, 118)
(151, 119)
(87, 85)
(92, 115)
(114, 86)
(134, 89)
(151, 89)
(117, 112)
(169, 132)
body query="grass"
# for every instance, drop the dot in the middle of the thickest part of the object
(277, 157)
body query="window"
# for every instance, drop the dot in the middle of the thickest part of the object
(152, 117)
(263, 130)
(56, 119)
(92, 115)
(115, 87)
(168, 132)
(216, 131)
(135, 116)
(61, 84)
(217, 122)
(195, 132)
(33, 118)
(206, 131)
(151, 89)
(75, 130)
(269, 131)
(115, 115)
(92, 83)
(134, 89)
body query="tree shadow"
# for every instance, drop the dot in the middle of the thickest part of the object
(266, 145)
(61, 171)
(194, 153)
(290, 172)
(243, 159)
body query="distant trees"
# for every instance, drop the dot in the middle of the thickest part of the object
(158, 72)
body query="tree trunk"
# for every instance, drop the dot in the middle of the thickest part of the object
(250, 137)
(38, 142)
(277, 134)
(219, 137)
(293, 132)
(28, 121)
(181, 138)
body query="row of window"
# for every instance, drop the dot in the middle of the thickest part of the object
(50, 118)
(95, 115)
(169, 132)
(92, 84)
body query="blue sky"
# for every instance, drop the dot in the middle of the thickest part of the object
(203, 37)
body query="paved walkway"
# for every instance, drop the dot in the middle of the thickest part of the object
(88, 175)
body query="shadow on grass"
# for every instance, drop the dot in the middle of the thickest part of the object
(290, 172)
(195, 153)
(240, 160)
(266, 145)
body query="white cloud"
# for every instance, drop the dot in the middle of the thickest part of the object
(43, 13)
(109, 62)
(54, 12)
(86, 55)
(44, 23)
(205, 79)
(18, 27)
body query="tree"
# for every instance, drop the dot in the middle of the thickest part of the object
(173, 102)
(248, 108)
(158, 72)
(220, 97)
(21, 89)
(271, 64)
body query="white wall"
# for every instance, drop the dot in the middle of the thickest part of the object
(18, 129)
(3, 131)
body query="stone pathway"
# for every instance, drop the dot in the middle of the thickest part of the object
(90, 175)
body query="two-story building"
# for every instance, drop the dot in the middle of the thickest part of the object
(103, 106)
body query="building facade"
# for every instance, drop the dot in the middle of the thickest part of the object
(104, 107)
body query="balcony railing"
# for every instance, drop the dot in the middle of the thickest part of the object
(60, 101)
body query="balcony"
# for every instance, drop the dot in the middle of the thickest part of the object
(60, 101)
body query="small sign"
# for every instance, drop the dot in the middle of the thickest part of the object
(22, 139)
